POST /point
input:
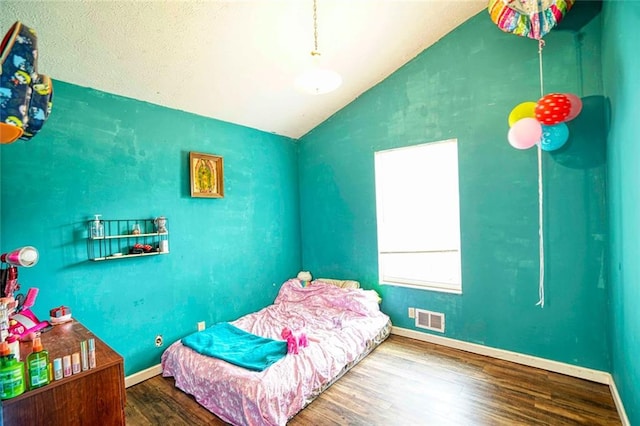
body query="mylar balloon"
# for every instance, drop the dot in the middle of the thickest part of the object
(525, 133)
(554, 137)
(528, 18)
(553, 108)
(523, 110)
(576, 106)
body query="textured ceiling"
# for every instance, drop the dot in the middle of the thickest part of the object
(233, 60)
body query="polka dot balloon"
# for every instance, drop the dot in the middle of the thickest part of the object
(552, 109)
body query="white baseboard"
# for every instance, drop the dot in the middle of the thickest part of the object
(143, 375)
(616, 398)
(532, 361)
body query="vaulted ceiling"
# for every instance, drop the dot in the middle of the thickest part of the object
(233, 60)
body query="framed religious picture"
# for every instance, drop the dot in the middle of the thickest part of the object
(207, 178)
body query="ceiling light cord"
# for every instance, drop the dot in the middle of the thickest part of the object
(317, 80)
(315, 51)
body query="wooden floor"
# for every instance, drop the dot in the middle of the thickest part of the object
(409, 382)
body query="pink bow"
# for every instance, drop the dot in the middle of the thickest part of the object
(294, 342)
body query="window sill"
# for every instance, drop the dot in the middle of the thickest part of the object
(425, 287)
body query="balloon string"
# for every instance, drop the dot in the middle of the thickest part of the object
(540, 46)
(540, 230)
(540, 194)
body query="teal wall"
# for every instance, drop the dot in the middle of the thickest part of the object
(621, 68)
(464, 87)
(122, 158)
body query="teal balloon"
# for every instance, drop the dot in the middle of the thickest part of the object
(554, 137)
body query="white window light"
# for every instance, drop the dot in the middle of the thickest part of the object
(418, 215)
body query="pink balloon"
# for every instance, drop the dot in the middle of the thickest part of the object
(576, 106)
(525, 133)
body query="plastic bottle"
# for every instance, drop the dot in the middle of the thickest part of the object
(57, 369)
(14, 346)
(92, 353)
(85, 355)
(75, 362)
(4, 321)
(11, 374)
(97, 228)
(38, 365)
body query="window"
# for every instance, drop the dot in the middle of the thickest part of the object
(418, 211)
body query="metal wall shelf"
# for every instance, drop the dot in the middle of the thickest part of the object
(109, 237)
(119, 241)
(126, 256)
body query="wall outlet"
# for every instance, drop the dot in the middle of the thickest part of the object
(159, 340)
(201, 326)
(412, 312)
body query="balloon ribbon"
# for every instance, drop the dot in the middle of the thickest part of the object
(540, 194)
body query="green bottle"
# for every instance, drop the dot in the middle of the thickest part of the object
(38, 365)
(11, 374)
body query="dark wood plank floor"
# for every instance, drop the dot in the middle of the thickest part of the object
(404, 382)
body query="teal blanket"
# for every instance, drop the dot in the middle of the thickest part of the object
(236, 346)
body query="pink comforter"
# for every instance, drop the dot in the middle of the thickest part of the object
(340, 324)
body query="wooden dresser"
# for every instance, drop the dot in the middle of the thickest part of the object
(91, 397)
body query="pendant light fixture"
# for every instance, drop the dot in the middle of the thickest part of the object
(317, 80)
